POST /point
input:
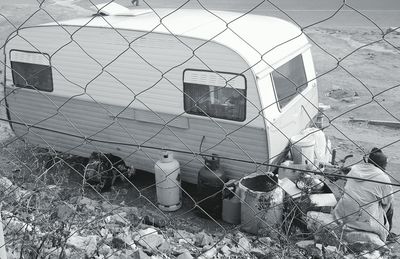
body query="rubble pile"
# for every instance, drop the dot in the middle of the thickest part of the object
(42, 223)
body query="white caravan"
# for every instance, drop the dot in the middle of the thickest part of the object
(130, 83)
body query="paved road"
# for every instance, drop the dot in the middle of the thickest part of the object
(384, 13)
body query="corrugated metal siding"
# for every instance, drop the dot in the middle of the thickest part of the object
(130, 80)
(245, 143)
(100, 65)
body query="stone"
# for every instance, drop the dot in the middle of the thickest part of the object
(182, 234)
(203, 239)
(260, 253)
(88, 204)
(87, 244)
(165, 247)
(118, 243)
(372, 255)
(155, 219)
(126, 237)
(149, 238)
(13, 225)
(226, 250)
(108, 207)
(305, 243)
(5, 185)
(105, 250)
(317, 220)
(118, 218)
(104, 232)
(359, 241)
(244, 244)
(209, 254)
(65, 211)
(133, 214)
(185, 255)
(265, 240)
(139, 254)
(331, 249)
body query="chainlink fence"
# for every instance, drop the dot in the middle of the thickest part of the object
(73, 183)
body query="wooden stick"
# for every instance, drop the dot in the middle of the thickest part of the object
(391, 124)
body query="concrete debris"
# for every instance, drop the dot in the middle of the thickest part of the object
(88, 204)
(108, 207)
(362, 240)
(185, 255)
(123, 234)
(182, 234)
(203, 239)
(165, 247)
(305, 243)
(118, 218)
(155, 219)
(149, 238)
(244, 244)
(127, 238)
(105, 250)
(14, 225)
(9, 190)
(139, 254)
(87, 244)
(265, 241)
(5, 185)
(318, 220)
(65, 211)
(209, 254)
(260, 253)
(372, 255)
(226, 251)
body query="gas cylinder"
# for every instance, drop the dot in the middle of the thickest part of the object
(210, 183)
(168, 183)
(231, 205)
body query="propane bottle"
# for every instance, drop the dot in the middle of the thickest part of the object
(210, 183)
(231, 206)
(168, 183)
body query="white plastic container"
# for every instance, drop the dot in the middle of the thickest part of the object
(168, 183)
(320, 143)
(302, 149)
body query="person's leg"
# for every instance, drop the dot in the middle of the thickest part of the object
(389, 216)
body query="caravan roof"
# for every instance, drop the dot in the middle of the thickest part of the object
(253, 37)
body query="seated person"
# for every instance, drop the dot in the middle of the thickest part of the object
(365, 205)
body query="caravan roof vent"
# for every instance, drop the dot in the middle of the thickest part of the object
(106, 9)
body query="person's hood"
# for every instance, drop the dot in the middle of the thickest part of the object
(365, 171)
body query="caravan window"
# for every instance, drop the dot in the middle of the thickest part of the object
(215, 94)
(31, 70)
(289, 80)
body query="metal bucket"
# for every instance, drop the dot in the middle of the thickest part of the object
(261, 204)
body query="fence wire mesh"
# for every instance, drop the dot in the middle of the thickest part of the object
(90, 106)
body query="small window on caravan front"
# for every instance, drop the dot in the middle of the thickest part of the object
(289, 80)
(215, 94)
(31, 70)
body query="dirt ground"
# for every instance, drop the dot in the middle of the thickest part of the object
(358, 78)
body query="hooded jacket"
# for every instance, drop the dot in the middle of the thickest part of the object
(364, 204)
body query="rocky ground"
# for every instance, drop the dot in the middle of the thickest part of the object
(47, 213)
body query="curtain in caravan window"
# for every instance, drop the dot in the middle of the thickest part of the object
(289, 80)
(218, 95)
(31, 70)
